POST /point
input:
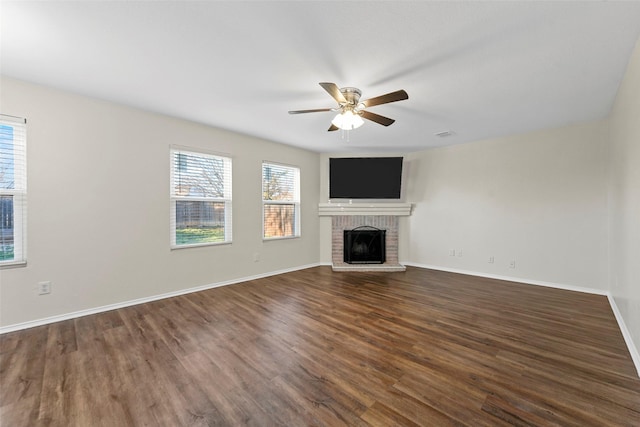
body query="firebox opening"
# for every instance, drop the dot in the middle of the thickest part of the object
(364, 245)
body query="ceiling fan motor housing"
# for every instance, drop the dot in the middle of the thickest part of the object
(351, 94)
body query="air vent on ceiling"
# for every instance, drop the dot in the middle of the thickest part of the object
(444, 134)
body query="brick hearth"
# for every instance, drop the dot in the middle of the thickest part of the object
(339, 223)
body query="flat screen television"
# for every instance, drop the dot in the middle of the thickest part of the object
(365, 177)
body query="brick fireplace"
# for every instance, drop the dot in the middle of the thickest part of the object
(384, 216)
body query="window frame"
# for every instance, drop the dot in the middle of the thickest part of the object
(297, 230)
(227, 199)
(18, 192)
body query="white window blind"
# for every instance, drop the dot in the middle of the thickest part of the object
(13, 190)
(280, 201)
(200, 198)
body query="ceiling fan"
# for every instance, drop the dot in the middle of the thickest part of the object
(351, 110)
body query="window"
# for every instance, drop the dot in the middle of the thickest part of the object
(13, 190)
(200, 198)
(280, 201)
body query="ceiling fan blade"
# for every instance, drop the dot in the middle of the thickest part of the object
(384, 121)
(398, 95)
(332, 128)
(317, 110)
(334, 91)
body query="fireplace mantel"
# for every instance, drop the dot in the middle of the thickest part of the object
(340, 209)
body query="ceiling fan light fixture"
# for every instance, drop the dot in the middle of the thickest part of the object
(352, 111)
(347, 120)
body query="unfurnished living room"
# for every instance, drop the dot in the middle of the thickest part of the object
(319, 213)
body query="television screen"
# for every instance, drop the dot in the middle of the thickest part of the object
(365, 177)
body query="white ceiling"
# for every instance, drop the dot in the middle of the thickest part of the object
(479, 69)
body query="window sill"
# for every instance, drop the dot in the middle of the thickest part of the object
(199, 245)
(15, 264)
(268, 239)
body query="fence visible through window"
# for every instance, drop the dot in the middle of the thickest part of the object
(6, 228)
(200, 197)
(280, 201)
(13, 190)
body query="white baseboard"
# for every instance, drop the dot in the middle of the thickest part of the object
(80, 313)
(512, 279)
(633, 350)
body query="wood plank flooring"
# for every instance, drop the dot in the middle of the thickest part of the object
(319, 348)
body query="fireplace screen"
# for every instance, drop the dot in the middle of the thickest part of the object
(364, 245)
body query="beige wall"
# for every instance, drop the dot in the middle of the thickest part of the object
(98, 200)
(624, 192)
(539, 199)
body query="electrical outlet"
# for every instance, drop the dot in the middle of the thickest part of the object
(256, 257)
(512, 264)
(452, 252)
(460, 252)
(491, 260)
(44, 288)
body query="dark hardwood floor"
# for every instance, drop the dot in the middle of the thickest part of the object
(317, 348)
